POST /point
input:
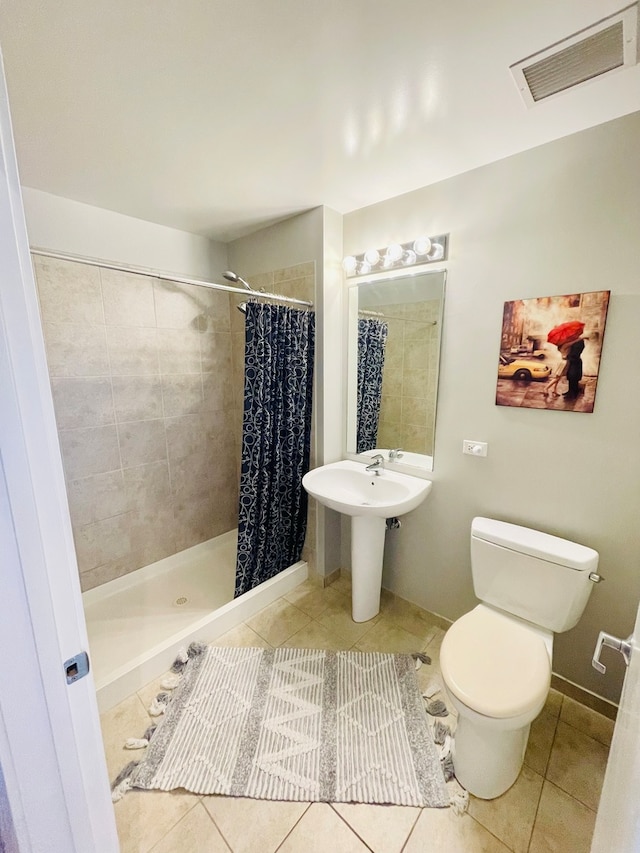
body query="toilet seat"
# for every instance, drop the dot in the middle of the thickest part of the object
(494, 664)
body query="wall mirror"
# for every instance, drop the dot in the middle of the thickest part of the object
(394, 333)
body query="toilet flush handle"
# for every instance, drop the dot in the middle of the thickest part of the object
(622, 646)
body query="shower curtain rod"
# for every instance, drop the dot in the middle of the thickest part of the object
(61, 256)
(370, 313)
(390, 316)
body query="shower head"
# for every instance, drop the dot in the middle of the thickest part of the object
(235, 278)
(242, 307)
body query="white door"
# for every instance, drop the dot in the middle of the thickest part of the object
(618, 821)
(55, 792)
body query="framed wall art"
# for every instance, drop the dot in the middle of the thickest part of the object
(550, 351)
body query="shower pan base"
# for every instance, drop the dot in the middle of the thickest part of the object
(137, 623)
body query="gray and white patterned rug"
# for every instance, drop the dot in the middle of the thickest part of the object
(295, 724)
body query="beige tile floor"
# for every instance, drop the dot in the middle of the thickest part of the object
(550, 809)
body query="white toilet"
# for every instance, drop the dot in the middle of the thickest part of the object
(496, 659)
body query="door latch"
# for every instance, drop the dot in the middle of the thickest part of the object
(622, 646)
(76, 667)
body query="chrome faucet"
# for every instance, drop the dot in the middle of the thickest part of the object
(377, 464)
(395, 454)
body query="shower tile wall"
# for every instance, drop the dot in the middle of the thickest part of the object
(298, 281)
(409, 377)
(141, 374)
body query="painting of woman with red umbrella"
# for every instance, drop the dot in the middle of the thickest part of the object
(550, 351)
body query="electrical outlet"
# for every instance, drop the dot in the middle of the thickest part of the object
(475, 448)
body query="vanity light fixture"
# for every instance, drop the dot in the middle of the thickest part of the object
(422, 250)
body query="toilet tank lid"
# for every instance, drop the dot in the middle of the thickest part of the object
(553, 549)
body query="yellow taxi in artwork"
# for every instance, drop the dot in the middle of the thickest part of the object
(522, 368)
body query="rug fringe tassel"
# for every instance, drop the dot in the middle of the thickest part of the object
(135, 743)
(447, 768)
(445, 749)
(440, 732)
(180, 662)
(150, 731)
(141, 742)
(432, 689)
(171, 681)
(437, 708)
(459, 797)
(122, 782)
(443, 739)
(196, 649)
(420, 658)
(120, 790)
(159, 704)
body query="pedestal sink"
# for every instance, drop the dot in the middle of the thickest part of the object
(369, 498)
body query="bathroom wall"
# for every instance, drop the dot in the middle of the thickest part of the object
(141, 374)
(293, 241)
(557, 219)
(63, 225)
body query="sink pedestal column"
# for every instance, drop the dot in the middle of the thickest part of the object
(367, 551)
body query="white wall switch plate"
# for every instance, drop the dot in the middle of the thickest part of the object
(475, 448)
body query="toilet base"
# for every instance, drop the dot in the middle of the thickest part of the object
(487, 760)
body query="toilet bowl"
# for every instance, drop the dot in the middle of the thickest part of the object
(496, 659)
(496, 670)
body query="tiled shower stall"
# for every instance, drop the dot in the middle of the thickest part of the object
(147, 381)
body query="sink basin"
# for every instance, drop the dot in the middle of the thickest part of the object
(369, 499)
(348, 488)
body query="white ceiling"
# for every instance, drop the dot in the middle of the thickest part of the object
(221, 116)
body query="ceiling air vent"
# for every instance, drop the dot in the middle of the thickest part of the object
(609, 45)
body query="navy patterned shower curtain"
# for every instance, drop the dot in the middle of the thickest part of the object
(276, 433)
(372, 339)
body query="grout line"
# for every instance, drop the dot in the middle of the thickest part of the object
(499, 840)
(293, 827)
(582, 731)
(210, 816)
(213, 821)
(348, 825)
(555, 784)
(411, 831)
(173, 826)
(553, 741)
(110, 375)
(571, 796)
(492, 834)
(535, 817)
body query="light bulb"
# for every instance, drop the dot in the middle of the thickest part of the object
(364, 268)
(422, 246)
(372, 256)
(349, 265)
(437, 252)
(409, 258)
(394, 252)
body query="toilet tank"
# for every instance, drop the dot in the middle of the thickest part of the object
(538, 577)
